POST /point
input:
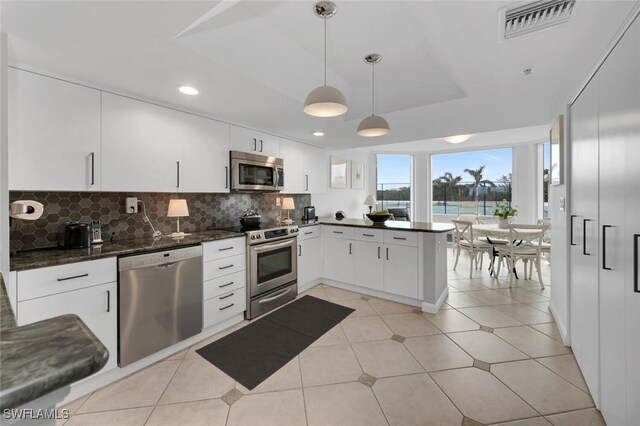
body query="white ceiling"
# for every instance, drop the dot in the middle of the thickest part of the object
(444, 70)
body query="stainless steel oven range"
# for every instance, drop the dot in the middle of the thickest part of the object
(272, 268)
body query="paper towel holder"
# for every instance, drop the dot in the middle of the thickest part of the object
(26, 210)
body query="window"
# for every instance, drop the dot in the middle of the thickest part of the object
(393, 181)
(546, 179)
(470, 182)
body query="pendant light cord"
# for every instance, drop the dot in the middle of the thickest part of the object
(373, 89)
(325, 50)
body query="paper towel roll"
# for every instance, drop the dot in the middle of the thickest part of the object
(26, 210)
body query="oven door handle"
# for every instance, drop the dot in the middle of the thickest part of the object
(277, 296)
(267, 247)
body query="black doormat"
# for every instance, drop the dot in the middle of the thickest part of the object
(253, 353)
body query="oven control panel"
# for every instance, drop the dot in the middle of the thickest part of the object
(272, 234)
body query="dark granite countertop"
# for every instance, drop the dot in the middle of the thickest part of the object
(51, 257)
(392, 225)
(44, 356)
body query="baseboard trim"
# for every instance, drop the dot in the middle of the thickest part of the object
(562, 328)
(432, 308)
(375, 293)
(308, 286)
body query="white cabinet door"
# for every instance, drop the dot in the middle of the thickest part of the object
(369, 265)
(309, 260)
(205, 155)
(96, 306)
(295, 159)
(316, 166)
(140, 146)
(401, 270)
(54, 134)
(339, 260)
(255, 142)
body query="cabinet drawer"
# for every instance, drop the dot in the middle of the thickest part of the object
(373, 235)
(223, 248)
(225, 284)
(221, 267)
(57, 279)
(308, 232)
(224, 306)
(339, 232)
(401, 238)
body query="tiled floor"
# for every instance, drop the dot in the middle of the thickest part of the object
(492, 355)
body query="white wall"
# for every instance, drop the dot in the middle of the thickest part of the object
(4, 175)
(525, 183)
(348, 200)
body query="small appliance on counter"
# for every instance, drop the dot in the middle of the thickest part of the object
(309, 213)
(77, 235)
(250, 219)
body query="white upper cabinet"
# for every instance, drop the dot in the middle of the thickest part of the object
(304, 168)
(54, 134)
(316, 166)
(255, 142)
(150, 148)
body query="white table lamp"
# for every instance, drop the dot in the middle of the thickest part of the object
(287, 204)
(370, 201)
(178, 208)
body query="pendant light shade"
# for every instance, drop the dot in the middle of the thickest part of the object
(373, 125)
(325, 101)
(457, 138)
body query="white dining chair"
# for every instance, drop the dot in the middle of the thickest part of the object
(464, 240)
(525, 243)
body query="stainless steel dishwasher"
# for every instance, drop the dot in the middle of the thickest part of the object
(160, 300)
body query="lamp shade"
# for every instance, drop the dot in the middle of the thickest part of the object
(325, 101)
(287, 203)
(178, 208)
(456, 139)
(372, 126)
(370, 200)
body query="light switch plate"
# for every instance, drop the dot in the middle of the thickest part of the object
(562, 204)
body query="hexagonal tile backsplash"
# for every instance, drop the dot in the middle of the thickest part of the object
(206, 211)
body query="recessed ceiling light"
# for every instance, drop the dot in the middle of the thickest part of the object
(318, 134)
(456, 139)
(188, 90)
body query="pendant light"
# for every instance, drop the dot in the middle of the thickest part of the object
(325, 101)
(373, 125)
(457, 138)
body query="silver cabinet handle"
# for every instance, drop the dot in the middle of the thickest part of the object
(604, 247)
(177, 174)
(636, 288)
(399, 238)
(387, 253)
(108, 301)
(226, 177)
(225, 248)
(255, 144)
(73, 277)
(299, 250)
(226, 267)
(277, 296)
(338, 232)
(350, 247)
(584, 237)
(225, 285)
(260, 145)
(308, 233)
(307, 182)
(226, 307)
(368, 235)
(226, 297)
(378, 252)
(93, 168)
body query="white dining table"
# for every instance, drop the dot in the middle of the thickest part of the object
(492, 231)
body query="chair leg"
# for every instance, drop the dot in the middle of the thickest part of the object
(499, 264)
(511, 264)
(539, 273)
(457, 257)
(531, 269)
(481, 254)
(471, 259)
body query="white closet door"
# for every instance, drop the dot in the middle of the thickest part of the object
(584, 234)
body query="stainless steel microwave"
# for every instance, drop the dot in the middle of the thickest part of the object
(251, 172)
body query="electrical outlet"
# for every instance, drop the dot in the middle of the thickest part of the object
(131, 205)
(562, 204)
(277, 201)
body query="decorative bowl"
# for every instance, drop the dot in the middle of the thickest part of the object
(379, 218)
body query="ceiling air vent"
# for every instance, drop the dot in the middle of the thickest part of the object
(536, 16)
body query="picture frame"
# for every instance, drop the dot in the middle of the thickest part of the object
(556, 143)
(338, 172)
(357, 175)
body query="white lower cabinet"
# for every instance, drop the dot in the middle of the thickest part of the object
(309, 260)
(401, 270)
(369, 265)
(339, 259)
(95, 304)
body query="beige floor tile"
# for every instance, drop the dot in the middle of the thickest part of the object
(409, 325)
(462, 300)
(565, 366)
(445, 306)
(466, 285)
(336, 294)
(192, 350)
(196, 413)
(590, 417)
(345, 404)
(437, 353)
(362, 307)
(480, 396)
(385, 307)
(450, 321)
(324, 365)
(525, 313)
(453, 289)
(415, 400)
(272, 408)
(316, 291)
(366, 329)
(536, 421)
(385, 358)
(141, 389)
(178, 356)
(486, 347)
(288, 377)
(550, 329)
(544, 390)
(522, 295)
(335, 336)
(541, 306)
(129, 417)
(491, 297)
(532, 342)
(197, 379)
(490, 317)
(73, 406)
